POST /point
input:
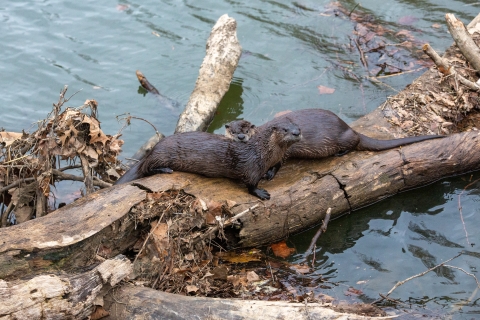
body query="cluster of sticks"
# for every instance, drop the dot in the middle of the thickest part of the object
(466, 45)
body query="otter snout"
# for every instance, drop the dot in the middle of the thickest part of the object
(296, 132)
(241, 137)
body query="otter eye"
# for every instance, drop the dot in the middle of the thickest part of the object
(285, 130)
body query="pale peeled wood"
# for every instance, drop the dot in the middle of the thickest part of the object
(215, 75)
(51, 296)
(130, 302)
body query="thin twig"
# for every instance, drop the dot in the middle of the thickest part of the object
(416, 276)
(226, 223)
(148, 237)
(446, 68)
(362, 54)
(467, 273)
(353, 9)
(460, 208)
(129, 117)
(322, 229)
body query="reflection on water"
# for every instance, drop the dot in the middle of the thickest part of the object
(290, 50)
(374, 248)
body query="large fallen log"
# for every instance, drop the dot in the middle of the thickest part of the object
(129, 302)
(301, 194)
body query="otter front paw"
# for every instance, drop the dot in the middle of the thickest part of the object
(261, 193)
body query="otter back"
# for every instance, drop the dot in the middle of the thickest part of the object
(216, 156)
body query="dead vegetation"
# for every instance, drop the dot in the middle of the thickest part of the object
(30, 164)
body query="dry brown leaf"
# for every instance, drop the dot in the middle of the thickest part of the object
(9, 137)
(160, 238)
(237, 280)
(99, 313)
(281, 249)
(300, 268)
(252, 276)
(325, 90)
(243, 257)
(191, 288)
(220, 273)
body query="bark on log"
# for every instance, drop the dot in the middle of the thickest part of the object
(129, 302)
(72, 236)
(50, 296)
(216, 72)
(301, 193)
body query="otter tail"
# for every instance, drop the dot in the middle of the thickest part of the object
(369, 144)
(132, 174)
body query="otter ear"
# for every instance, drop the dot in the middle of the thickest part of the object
(227, 126)
(252, 126)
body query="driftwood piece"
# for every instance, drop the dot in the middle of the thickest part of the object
(301, 194)
(463, 40)
(129, 302)
(50, 296)
(216, 72)
(72, 236)
(446, 68)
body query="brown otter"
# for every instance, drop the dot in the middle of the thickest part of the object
(216, 156)
(324, 134)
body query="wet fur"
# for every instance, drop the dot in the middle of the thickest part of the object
(217, 156)
(325, 134)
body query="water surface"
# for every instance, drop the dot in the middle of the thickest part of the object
(290, 48)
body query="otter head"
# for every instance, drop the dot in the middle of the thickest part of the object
(240, 130)
(286, 132)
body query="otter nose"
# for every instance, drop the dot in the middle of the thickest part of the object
(241, 136)
(296, 132)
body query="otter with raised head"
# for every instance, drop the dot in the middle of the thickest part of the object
(216, 156)
(324, 134)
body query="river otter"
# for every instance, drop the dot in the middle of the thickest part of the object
(216, 156)
(324, 134)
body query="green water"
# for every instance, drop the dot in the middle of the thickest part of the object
(290, 48)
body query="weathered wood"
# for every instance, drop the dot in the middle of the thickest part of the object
(215, 75)
(129, 302)
(463, 40)
(50, 296)
(71, 236)
(301, 194)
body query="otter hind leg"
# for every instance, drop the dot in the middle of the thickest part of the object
(272, 172)
(161, 170)
(261, 193)
(341, 153)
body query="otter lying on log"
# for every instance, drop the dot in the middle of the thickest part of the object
(216, 156)
(324, 134)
